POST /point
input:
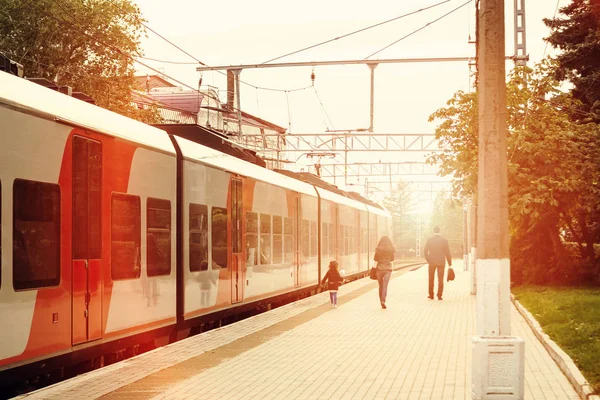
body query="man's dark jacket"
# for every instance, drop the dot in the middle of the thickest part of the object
(436, 249)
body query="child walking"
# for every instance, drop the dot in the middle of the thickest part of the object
(334, 280)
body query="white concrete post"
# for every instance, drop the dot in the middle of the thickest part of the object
(498, 358)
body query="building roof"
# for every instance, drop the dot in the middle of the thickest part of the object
(250, 119)
(154, 81)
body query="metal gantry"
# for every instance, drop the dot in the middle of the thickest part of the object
(373, 169)
(339, 142)
(338, 145)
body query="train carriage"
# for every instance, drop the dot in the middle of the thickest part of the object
(115, 233)
(77, 193)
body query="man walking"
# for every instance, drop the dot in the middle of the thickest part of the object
(437, 252)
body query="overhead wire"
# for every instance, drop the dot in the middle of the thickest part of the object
(354, 32)
(555, 12)
(197, 60)
(417, 30)
(202, 63)
(324, 109)
(289, 113)
(168, 61)
(75, 26)
(84, 74)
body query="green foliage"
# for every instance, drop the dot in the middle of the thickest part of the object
(553, 172)
(89, 45)
(577, 35)
(400, 203)
(571, 317)
(457, 136)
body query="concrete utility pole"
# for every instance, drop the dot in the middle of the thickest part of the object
(466, 247)
(498, 358)
(372, 66)
(472, 216)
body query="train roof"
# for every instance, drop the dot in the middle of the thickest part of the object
(326, 190)
(26, 96)
(206, 155)
(213, 139)
(334, 193)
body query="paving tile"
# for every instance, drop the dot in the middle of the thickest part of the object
(416, 349)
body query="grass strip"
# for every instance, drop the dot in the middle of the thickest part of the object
(571, 317)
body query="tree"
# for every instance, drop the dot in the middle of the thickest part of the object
(553, 173)
(89, 45)
(578, 36)
(400, 203)
(457, 137)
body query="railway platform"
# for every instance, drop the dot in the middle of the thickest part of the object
(415, 349)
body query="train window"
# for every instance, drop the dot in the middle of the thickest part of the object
(305, 239)
(36, 234)
(340, 239)
(288, 240)
(325, 240)
(277, 240)
(251, 238)
(158, 237)
(198, 226)
(313, 239)
(332, 240)
(219, 236)
(125, 229)
(265, 239)
(87, 185)
(363, 240)
(373, 239)
(348, 239)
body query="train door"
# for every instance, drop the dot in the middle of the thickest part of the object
(86, 284)
(338, 234)
(236, 241)
(297, 235)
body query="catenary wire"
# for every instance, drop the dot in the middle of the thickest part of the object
(417, 30)
(72, 24)
(202, 63)
(323, 107)
(354, 32)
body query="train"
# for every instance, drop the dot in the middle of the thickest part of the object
(116, 233)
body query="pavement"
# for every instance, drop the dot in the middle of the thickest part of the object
(415, 349)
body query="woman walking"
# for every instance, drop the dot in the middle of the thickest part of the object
(384, 255)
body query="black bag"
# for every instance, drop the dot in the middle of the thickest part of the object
(450, 274)
(373, 273)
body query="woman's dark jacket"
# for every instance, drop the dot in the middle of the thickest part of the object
(334, 279)
(384, 258)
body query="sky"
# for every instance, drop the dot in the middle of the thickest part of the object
(251, 32)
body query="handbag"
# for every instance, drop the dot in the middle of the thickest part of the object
(450, 274)
(373, 273)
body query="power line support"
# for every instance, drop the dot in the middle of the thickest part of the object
(372, 67)
(498, 358)
(465, 234)
(236, 74)
(418, 238)
(520, 37)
